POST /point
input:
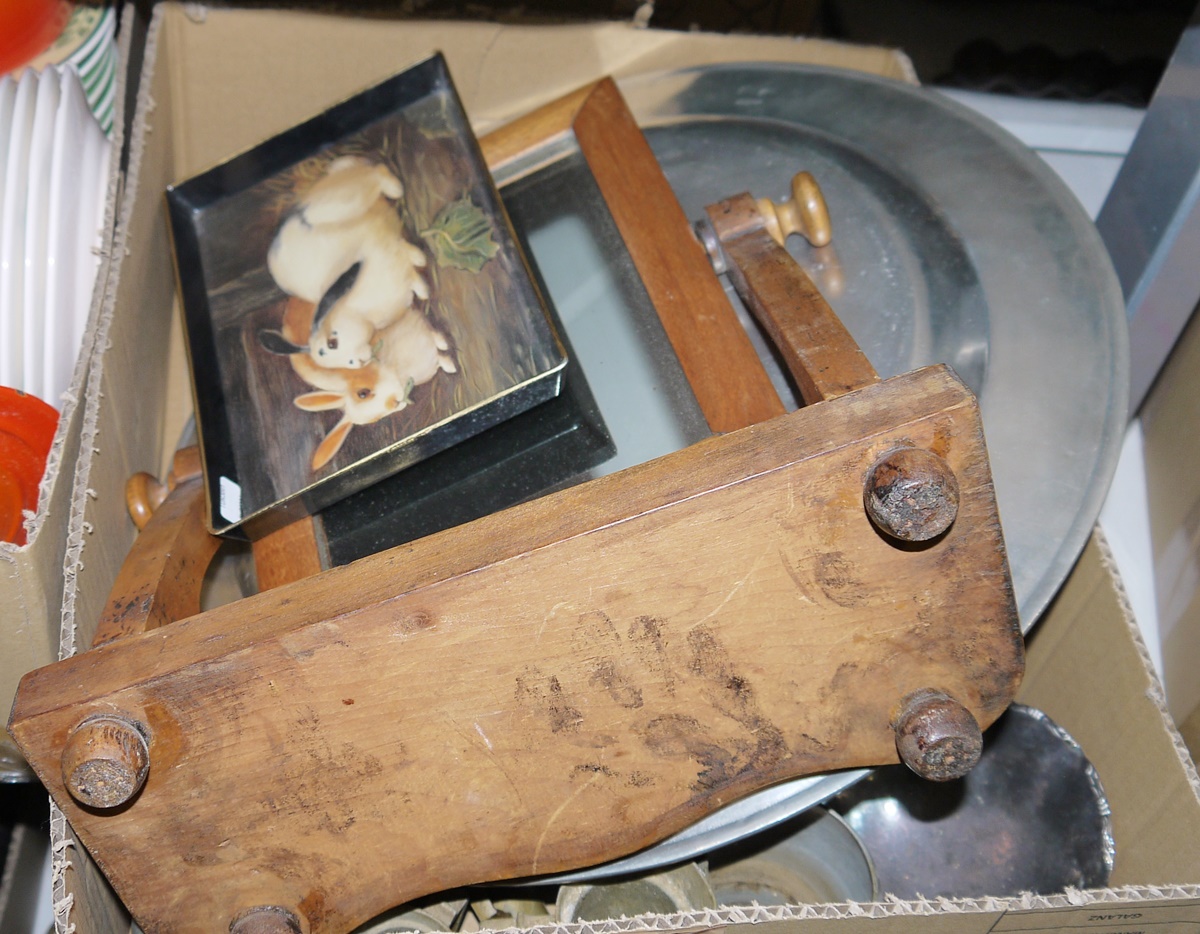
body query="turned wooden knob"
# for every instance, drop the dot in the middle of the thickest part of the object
(937, 737)
(143, 494)
(805, 214)
(269, 919)
(911, 494)
(105, 761)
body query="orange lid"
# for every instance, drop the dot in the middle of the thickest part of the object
(27, 426)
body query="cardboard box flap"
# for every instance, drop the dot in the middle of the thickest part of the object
(492, 65)
(1113, 706)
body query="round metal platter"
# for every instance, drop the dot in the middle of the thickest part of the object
(1032, 816)
(953, 243)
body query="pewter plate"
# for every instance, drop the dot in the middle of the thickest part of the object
(953, 243)
(1032, 816)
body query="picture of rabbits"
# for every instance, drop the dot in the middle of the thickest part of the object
(348, 220)
(354, 304)
(411, 353)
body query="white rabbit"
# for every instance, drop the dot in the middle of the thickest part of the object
(415, 349)
(346, 226)
(412, 351)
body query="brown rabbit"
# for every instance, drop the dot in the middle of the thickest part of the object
(412, 351)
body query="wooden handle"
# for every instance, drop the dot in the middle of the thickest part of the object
(819, 352)
(144, 492)
(805, 213)
(161, 578)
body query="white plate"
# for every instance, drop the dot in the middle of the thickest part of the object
(37, 211)
(103, 95)
(78, 169)
(96, 153)
(74, 122)
(8, 97)
(12, 232)
(103, 31)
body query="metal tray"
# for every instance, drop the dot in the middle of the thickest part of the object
(952, 243)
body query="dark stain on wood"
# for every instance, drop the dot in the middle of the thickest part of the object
(312, 769)
(313, 909)
(648, 634)
(591, 768)
(620, 688)
(837, 580)
(550, 699)
(731, 693)
(678, 735)
(563, 716)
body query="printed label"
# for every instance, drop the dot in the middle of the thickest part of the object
(230, 506)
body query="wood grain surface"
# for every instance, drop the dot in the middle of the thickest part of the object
(559, 684)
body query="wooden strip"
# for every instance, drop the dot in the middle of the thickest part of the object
(823, 358)
(534, 130)
(730, 383)
(286, 555)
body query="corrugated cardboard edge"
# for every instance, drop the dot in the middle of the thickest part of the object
(98, 325)
(693, 922)
(1155, 691)
(99, 318)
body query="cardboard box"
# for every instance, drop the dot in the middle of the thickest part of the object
(1170, 419)
(32, 575)
(216, 81)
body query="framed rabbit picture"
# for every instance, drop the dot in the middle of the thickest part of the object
(355, 301)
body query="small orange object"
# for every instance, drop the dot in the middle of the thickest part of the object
(27, 426)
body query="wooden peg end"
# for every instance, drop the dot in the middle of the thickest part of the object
(105, 761)
(268, 919)
(805, 213)
(937, 737)
(911, 494)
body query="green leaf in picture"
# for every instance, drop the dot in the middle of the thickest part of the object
(461, 236)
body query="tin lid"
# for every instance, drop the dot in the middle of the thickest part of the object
(27, 427)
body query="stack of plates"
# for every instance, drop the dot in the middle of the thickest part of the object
(54, 158)
(89, 44)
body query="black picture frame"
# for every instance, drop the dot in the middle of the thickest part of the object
(354, 301)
